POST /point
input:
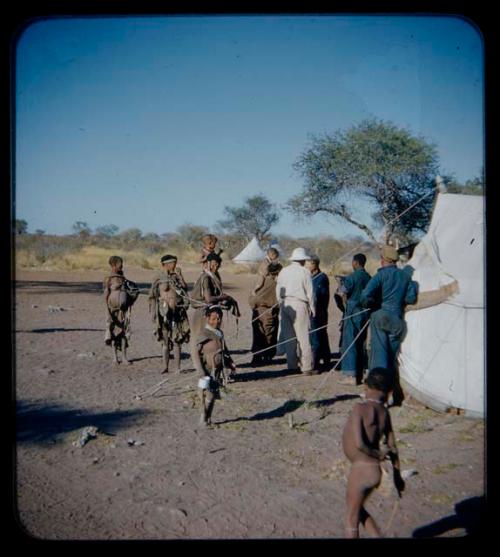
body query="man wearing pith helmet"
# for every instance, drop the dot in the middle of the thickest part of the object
(294, 291)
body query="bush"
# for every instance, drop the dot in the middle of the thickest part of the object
(76, 252)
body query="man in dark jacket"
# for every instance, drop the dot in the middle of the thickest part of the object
(321, 292)
(395, 289)
(354, 320)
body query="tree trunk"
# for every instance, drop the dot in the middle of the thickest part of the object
(345, 215)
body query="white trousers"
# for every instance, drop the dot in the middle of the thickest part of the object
(294, 322)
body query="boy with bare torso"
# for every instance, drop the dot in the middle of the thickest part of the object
(368, 423)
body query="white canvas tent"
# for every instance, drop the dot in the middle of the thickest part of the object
(252, 253)
(442, 359)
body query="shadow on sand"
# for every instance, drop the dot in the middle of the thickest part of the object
(52, 286)
(287, 407)
(57, 330)
(469, 515)
(40, 423)
(330, 401)
(257, 375)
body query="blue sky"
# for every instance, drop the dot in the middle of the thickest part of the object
(153, 122)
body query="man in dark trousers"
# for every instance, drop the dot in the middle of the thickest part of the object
(354, 319)
(319, 339)
(394, 289)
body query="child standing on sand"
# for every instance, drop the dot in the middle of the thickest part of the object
(120, 295)
(368, 423)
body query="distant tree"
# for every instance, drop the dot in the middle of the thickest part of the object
(39, 232)
(20, 226)
(151, 237)
(475, 186)
(107, 230)
(374, 160)
(152, 243)
(81, 229)
(191, 234)
(169, 237)
(255, 218)
(131, 235)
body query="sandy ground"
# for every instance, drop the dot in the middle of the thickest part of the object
(151, 473)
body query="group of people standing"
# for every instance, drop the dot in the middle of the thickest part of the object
(297, 306)
(289, 314)
(294, 301)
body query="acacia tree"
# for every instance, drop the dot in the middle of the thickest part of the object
(20, 226)
(374, 160)
(130, 236)
(256, 218)
(81, 229)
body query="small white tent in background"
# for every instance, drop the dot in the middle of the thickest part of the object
(252, 253)
(442, 359)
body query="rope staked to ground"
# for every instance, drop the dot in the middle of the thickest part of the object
(158, 386)
(309, 402)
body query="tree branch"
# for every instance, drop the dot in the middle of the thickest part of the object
(342, 212)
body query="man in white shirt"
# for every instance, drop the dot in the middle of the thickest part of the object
(294, 291)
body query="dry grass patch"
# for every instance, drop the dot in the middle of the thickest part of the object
(443, 468)
(94, 258)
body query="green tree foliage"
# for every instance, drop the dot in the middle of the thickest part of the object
(20, 226)
(81, 229)
(107, 230)
(130, 236)
(475, 186)
(191, 234)
(255, 218)
(374, 160)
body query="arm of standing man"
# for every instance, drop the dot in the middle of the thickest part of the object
(324, 290)
(309, 291)
(369, 294)
(347, 286)
(411, 292)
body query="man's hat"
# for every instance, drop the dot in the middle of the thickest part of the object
(299, 254)
(389, 253)
(168, 258)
